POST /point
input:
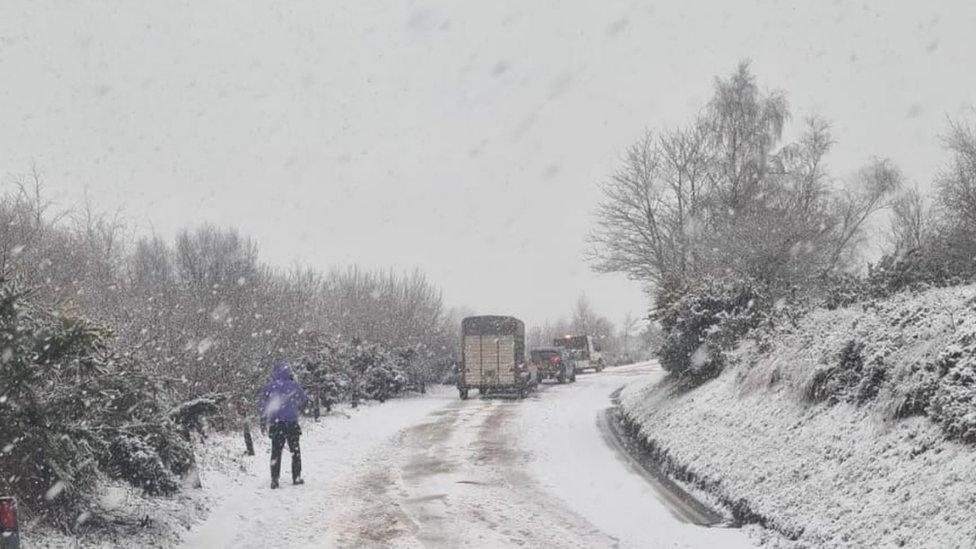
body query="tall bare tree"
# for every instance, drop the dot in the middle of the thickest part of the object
(725, 196)
(957, 182)
(909, 223)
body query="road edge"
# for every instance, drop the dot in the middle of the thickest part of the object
(680, 502)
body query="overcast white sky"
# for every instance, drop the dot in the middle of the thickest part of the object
(464, 138)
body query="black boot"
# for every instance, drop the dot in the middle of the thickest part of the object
(274, 483)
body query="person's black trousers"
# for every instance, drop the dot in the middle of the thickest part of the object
(281, 432)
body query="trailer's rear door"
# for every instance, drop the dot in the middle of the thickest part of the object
(489, 360)
(472, 361)
(506, 360)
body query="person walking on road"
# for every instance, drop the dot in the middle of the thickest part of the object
(280, 402)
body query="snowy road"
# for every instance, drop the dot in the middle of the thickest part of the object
(440, 472)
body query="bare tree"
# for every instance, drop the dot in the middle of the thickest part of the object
(745, 127)
(871, 190)
(583, 316)
(725, 197)
(957, 182)
(25, 218)
(909, 222)
(627, 329)
(653, 210)
(209, 258)
(680, 197)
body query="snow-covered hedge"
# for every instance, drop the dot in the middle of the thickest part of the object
(204, 311)
(353, 370)
(915, 270)
(72, 411)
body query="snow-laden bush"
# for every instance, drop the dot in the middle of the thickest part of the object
(71, 410)
(852, 378)
(953, 399)
(377, 372)
(939, 264)
(354, 370)
(701, 322)
(915, 392)
(840, 290)
(134, 459)
(943, 387)
(910, 355)
(192, 415)
(933, 266)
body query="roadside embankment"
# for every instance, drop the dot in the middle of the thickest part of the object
(847, 428)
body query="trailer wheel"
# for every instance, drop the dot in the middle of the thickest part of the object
(463, 393)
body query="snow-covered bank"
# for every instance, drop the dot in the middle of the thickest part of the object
(831, 475)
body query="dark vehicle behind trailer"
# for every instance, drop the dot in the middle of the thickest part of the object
(493, 356)
(550, 363)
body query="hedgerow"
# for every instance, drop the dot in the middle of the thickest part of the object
(72, 411)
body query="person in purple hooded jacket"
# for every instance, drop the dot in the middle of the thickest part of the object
(279, 406)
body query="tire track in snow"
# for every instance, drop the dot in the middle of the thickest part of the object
(460, 480)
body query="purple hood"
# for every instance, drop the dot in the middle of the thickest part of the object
(282, 397)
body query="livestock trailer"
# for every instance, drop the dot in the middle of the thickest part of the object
(493, 356)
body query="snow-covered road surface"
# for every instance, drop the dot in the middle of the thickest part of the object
(440, 472)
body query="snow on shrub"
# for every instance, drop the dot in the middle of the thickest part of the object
(936, 265)
(133, 459)
(71, 411)
(192, 415)
(850, 379)
(953, 400)
(916, 270)
(702, 322)
(840, 290)
(944, 387)
(912, 355)
(355, 370)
